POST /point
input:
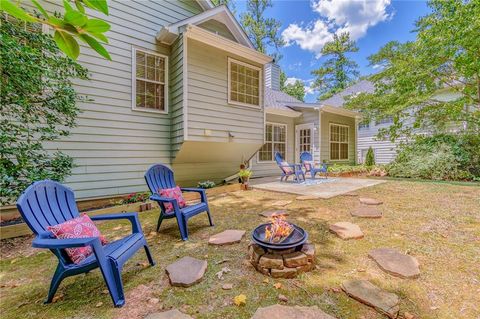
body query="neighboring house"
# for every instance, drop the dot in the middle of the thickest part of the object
(292, 127)
(384, 150)
(184, 88)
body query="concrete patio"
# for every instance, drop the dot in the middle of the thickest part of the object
(319, 187)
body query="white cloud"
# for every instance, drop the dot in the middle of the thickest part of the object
(309, 90)
(377, 66)
(292, 80)
(311, 38)
(353, 16)
(307, 84)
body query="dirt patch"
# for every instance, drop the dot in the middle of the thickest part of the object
(17, 247)
(141, 301)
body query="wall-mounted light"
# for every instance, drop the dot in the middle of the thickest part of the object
(230, 135)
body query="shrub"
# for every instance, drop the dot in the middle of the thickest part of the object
(37, 105)
(370, 157)
(439, 157)
(206, 184)
(245, 173)
(343, 168)
(134, 198)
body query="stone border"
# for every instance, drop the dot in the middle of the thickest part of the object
(282, 263)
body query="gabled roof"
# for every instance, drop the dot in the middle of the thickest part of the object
(280, 103)
(169, 33)
(276, 103)
(339, 99)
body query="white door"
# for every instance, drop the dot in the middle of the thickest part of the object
(303, 140)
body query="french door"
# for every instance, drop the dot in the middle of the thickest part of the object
(303, 140)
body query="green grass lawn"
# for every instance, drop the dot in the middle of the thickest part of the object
(437, 223)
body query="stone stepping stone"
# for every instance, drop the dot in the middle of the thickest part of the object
(171, 314)
(350, 194)
(269, 213)
(346, 230)
(395, 263)
(370, 201)
(367, 212)
(227, 237)
(283, 312)
(307, 197)
(369, 294)
(186, 271)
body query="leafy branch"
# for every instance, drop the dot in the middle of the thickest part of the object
(74, 25)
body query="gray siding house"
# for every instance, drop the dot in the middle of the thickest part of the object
(292, 127)
(384, 150)
(186, 88)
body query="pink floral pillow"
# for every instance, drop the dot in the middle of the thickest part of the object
(80, 227)
(309, 165)
(286, 168)
(176, 193)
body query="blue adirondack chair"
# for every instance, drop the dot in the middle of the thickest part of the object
(307, 157)
(159, 177)
(48, 203)
(295, 169)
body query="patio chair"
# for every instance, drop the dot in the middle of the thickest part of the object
(48, 203)
(307, 161)
(160, 177)
(289, 169)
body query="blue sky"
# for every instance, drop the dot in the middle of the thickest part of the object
(307, 25)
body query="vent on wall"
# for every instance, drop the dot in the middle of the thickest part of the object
(272, 76)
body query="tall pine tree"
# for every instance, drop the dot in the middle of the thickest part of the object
(338, 71)
(263, 32)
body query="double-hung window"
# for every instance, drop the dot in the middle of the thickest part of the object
(275, 141)
(243, 83)
(338, 142)
(150, 81)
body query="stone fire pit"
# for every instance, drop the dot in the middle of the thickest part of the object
(280, 249)
(286, 263)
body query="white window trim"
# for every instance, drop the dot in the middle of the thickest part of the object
(134, 82)
(264, 141)
(330, 142)
(260, 86)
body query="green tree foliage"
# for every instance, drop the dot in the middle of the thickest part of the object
(229, 3)
(444, 56)
(283, 80)
(37, 105)
(338, 71)
(297, 90)
(263, 32)
(70, 26)
(370, 157)
(439, 157)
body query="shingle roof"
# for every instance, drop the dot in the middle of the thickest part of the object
(338, 99)
(278, 100)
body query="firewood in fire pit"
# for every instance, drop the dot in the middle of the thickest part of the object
(278, 230)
